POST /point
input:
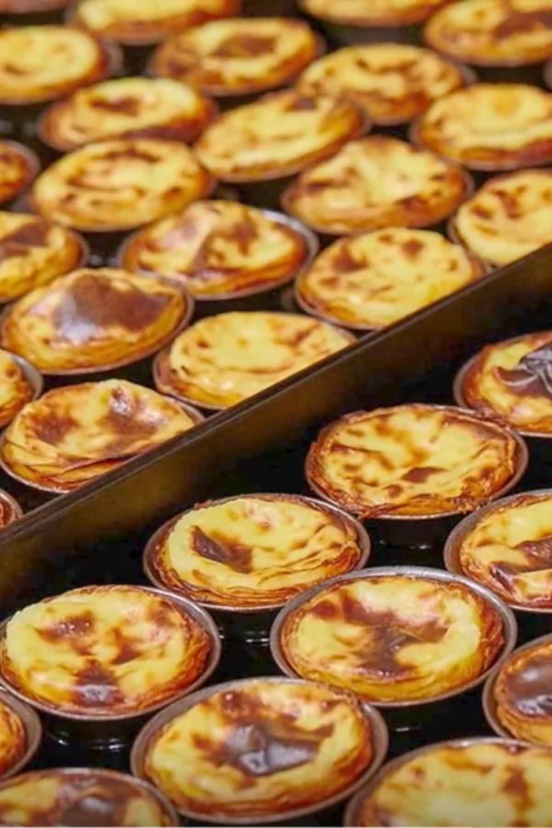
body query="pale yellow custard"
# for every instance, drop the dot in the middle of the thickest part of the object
(221, 360)
(392, 82)
(509, 217)
(373, 12)
(120, 184)
(413, 460)
(103, 651)
(254, 550)
(375, 279)
(498, 126)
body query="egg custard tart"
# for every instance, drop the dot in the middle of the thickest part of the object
(486, 126)
(254, 551)
(509, 550)
(373, 280)
(377, 182)
(104, 651)
(238, 56)
(126, 107)
(74, 434)
(522, 693)
(493, 32)
(82, 796)
(469, 781)
(263, 748)
(221, 249)
(15, 388)
(94, 320)
(144, 21)
(511, 381)
(120, 184)
(277, 135)
(221, 360)
(13, 739)
(34, 252)
(509, 217)
(391, 637)
(391, 82)
(18, 167)
(414, 460)
(41, 63)
(10, 510)
(373, 13)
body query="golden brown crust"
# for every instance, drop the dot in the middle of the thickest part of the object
(393, 638)
(104, 651)
(141, 21)
(13, 739)
(253, 551)
(278, 135)
(219, 249)
(504, 783)
(508, 218)
(391, 82)
(41, 63)
(375, 13)
(126, 108)
(34, 252)
(412, 460)
(522, 694)
(515, 132)
(80, 797)
(74, 434)
(221, 360)
(373, 280)
(493, 32)
(120, 184)
(373, 183)
(18, 167)
(509, 550)
(238, 56)
(94, 320)
(15, 389)
(261, 747)
(509, 382)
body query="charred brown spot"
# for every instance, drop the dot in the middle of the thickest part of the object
(96, 686)
(16, 243)
(74, 626)
(412, 247)
(530, 689)
(523, 22)
(516, 786)
(125, 105)
(51, 426)
(237, 556)
(421, 474)
(243, 46)
(302, 105)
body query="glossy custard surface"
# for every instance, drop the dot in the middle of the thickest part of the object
(79, 797)
(40, 63)
(255, 550)
(218, 248)
(221, 360)
(277, 135)
(523, 693)
(510, 381)
(479, 784)
(392, 82)
(93, 319)
(238, 56)
(375, 279)
(510, 551)
(412, 460)
(120, 184)
(261, 747)
(394, 638)
(74, 434)
(509, 217)
(373, 13)
(15, 389)
(103, 651)
(493, 31)
(374, 183)
(487, 126)
(127, 107)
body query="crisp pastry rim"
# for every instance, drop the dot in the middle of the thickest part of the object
(32, 376)
(32, 726)
(379, 733)
(154, 572)
(506, 615)
(393, 21)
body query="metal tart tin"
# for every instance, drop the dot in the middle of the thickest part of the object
(33, 731)
(256, 298)
(250, 624)
(351, 817)
(113, 731)
(139, 749)
(409, 715)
